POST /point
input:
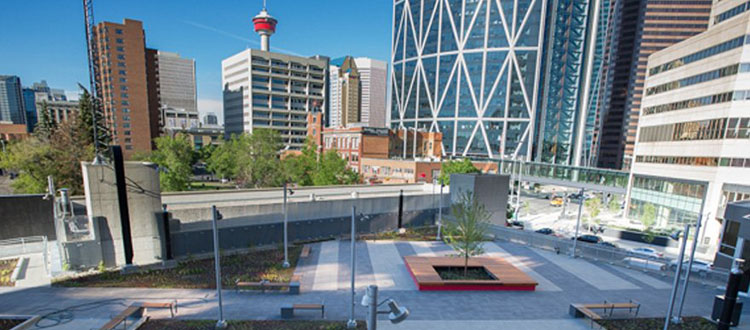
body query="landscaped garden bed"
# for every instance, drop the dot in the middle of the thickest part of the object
(458, 273)
(426, 233)
(6, 271)
(7, 324)
(688, 323)
(191, 273)
(247, 325)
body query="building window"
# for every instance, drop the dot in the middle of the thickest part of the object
(126, 117)
(118, 31)
(128, 147)
(123, 80)
(125, 110)
(121, 64)
(123, 88)
(122, 72)
(124, 95)
(125, 125)
(126, 132)
(121, 57)
(124, 102)
(120, 49)
(118, 40)
(127, 140)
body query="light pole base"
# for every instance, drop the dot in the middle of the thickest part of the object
(221, 324)
(351, 324)
(285, 264)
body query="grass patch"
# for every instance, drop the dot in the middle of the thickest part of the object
(6, 270)
(247, 325)
(426, 233)
(688, 323)
(7, 324)
(199, 274)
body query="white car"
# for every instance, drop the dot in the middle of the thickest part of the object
(700, 267)
(646, 252)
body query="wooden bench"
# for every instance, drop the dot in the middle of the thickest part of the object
(287, 310)
(305, 251)
(172, 306)
(263, 285)
(134, 312)
(586, 310)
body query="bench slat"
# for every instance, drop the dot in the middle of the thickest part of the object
(120, 317)
(307, 306)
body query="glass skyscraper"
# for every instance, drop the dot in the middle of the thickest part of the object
(470, 70)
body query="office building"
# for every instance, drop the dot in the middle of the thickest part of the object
(123, 86)
(638, 28)
(210, 119)
(178, 118)
(264, 89)
(199, 137)
(571, 60)
(12, 132)
(40, 96)
(172, 92)
(373, 78)
(691, 155)
(346, 88)
(11, 100)
(457, 70)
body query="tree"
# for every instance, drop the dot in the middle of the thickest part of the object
(45, 126)
(332, 170)
(174, 157)
(31, 158)
(87, 116)
(614, 204)
(648, 217)
(223, 159)
(259, 164)
(301, 168)
(455, 166)
(467, 233)
(593, 206)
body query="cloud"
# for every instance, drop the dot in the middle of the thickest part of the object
(238, 37)
(210, 105)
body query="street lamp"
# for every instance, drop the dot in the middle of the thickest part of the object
(396, 313)
(286, 220)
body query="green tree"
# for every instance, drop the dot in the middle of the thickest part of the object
(86, 123)
(301, 168)
(174, 157)
(223, 159)
(648, 217)
(259, 164)
(332, 170)
(593, 206)
(45, 126)
(455, 166)
(614, 204)
(466, 235)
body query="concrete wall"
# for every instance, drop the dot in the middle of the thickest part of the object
(26, 215)
(491, 190)
(144, 205)
(307, 221)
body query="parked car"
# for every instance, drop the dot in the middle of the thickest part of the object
(647, 252)
(590, 239)
(516, 224)
(608, 244)
(700, 267)
(557, 201)
(545, 231)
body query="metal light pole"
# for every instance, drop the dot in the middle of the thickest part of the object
(372, 307)
(286, 253)
(578, 225)
(221, 323)
(440, 212)
(352, 323)
(678, 318)
(677, 273)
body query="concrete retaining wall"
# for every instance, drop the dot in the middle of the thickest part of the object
(307, 221)
(26, 215)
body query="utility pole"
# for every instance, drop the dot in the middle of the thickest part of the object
(352, 323)
(677, 274)
(578, 225)
(440, 211)
(221, 323)
(286, 219)
(678, 318)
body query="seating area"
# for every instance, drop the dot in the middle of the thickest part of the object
(136, 314)
(586, 310)
(506, 276)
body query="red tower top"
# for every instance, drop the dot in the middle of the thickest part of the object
(264, 23)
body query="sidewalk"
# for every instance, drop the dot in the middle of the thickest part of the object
(35, 273)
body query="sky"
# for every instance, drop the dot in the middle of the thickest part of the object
(45, 39)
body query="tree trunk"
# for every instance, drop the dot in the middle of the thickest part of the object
(466, 265)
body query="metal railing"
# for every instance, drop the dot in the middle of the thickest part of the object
(662, 267)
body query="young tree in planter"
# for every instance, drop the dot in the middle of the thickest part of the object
(648, 218)
(467, 233)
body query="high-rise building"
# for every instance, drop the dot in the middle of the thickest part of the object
(638, 29)
(691, 155)
(123, 86)
(29, 104)
(172, 91)
(373, 78)
(264, 89)
(470, 70)
(346, 89)
(11, 100)
(570, 62)
(210, 119)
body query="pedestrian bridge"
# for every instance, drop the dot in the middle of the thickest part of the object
(589, 178)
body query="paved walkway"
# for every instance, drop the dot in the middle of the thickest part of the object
(325, 278)
(34, 274)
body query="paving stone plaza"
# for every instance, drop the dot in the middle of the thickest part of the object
(325, 278)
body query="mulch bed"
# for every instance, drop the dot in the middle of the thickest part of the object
(426, 233)
(457, 273)
(688, 323)
(6, 324)
(6, 270)
(199, 274)
(247, 325)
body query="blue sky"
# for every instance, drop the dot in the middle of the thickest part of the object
(45, 40)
